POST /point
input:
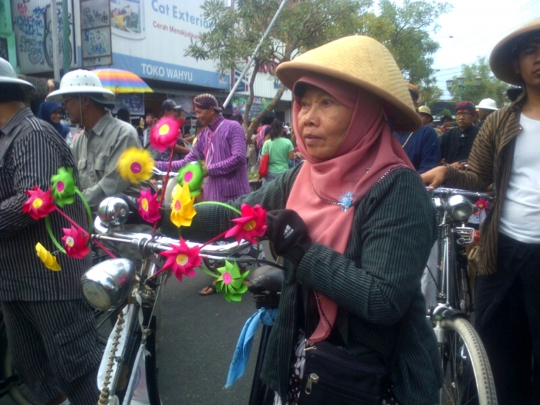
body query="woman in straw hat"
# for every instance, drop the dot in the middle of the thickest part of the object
(353, 222)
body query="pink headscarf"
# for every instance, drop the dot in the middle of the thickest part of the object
(367, 153)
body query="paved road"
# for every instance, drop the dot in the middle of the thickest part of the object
(199, 337)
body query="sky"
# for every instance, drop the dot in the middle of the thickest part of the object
(475, 27)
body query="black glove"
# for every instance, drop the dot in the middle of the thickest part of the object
(289, 234)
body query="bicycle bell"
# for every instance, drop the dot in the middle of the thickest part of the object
(460, 208)
(113, 211)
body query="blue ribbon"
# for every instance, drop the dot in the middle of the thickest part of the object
(245, 341)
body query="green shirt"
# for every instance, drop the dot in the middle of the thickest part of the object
(279, 150)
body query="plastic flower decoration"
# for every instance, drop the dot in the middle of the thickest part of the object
(231, 282)
(182, 211)
(149, 206)
(164, 134)
(47, 258)
(63, 186)
(251, 225)
(193, 175)
(182, 259)
(482, 204)
(75, 243)
(136, 165)
(40, 204)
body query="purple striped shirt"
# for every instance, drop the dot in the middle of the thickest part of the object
(223, 145)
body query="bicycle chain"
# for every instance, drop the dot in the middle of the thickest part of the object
(104, 394)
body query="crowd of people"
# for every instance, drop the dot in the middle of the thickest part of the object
(353, 221)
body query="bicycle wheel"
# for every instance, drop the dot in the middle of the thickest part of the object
(468, 378)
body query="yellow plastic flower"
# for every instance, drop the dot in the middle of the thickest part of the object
(182, 211)
(136, 165)
(47, 258)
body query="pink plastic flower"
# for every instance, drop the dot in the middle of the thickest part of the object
(251, 225)
(182, 259)
(75, 243)
(164, 134)
(40, 204)
(149, 206)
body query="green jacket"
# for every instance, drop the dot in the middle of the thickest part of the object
(376, 282)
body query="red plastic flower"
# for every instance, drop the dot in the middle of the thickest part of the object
(182, 259)
(251, 225)
(164, 134)
(482, 204)
(75, 243)
(149, 206)
(40, 204)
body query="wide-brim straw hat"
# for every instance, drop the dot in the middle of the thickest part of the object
(501, 57)
(363, 62)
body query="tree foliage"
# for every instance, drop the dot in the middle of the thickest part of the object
(306, 24)
(490, 86)
(302, 25)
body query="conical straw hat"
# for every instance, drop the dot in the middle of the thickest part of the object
(501, 56)
(361, 61)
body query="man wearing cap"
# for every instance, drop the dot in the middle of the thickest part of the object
(50, 328)
(169, 108)
(485, 108)
(222, 146)
(456, 143)
(104, 139)
(421, 146)
(506, 155)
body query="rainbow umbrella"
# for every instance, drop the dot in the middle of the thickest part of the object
(121, 81)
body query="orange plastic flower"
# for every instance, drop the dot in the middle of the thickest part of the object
(75, 243)
(149, 206)
(182, 211)
(164, 134)
(40, 204)
(182, 259)
(251, 225)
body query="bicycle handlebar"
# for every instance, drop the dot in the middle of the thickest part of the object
(445, 191)
(148, 245)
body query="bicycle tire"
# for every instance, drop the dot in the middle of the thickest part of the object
(468, 377)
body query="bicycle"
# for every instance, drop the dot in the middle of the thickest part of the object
(117, 285)
(468, 376)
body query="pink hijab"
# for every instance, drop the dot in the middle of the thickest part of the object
(367, 153)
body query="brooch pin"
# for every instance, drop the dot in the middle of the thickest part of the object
(345, 201)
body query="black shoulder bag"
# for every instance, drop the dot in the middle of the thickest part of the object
(333, 375)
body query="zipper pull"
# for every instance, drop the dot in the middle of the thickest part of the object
(312, 379)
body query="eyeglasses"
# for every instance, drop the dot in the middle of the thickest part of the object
(66, 99)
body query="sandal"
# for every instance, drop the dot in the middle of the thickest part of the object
(208, 290)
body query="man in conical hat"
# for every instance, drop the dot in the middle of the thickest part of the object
(505, 154)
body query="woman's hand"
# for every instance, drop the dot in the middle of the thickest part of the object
(434, 177)
(288, 233)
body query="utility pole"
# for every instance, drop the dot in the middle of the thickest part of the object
(54, 38)
(65, 33)
(255, 52)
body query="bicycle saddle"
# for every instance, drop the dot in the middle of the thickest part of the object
(266, 278)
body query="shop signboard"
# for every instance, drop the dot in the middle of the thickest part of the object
(150, 38)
